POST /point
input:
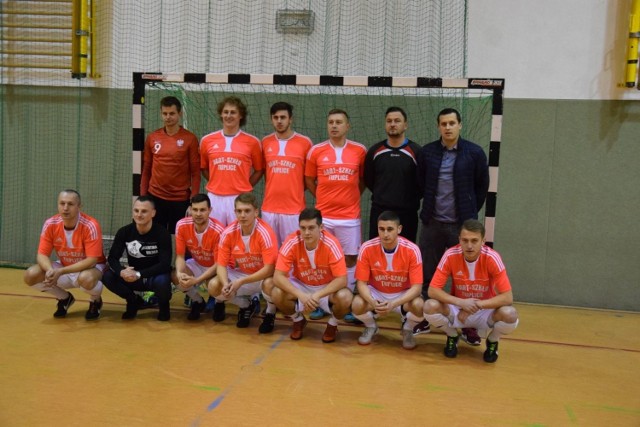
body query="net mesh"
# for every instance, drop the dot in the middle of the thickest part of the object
(58, 132)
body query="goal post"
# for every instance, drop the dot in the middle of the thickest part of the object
(365, 98)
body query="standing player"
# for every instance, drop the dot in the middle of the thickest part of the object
(390, 174)
(77, 239)
(200, 235)
(454, 176)
(148, 247)
(284, 153)
(389, 274)
(311, 273)
(481, 295)
(171, 166)
(334, 175)
(230, 159)
(246, 257)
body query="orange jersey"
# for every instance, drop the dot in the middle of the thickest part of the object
(229, 161)
(327, 264)
(284, 175)
(338, 172)
(389, 273)
(489, 274)
(202, 249)
(171, 165)
(261, 250)
(72, 246)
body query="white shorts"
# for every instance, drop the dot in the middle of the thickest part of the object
(70, 280)
(223, 208)
(282, 224)
(195, 268)
(479, 320)
(324, 301)
(246, 290)
(381, 296)
(347, 231)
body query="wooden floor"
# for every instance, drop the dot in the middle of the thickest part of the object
(561, 367)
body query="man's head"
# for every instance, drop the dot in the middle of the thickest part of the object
(395, 123)
(69, 205)
(200, 208)
(281, 117)
(338, 124)
(171, 111)
(246, 209)
(232, 112)
(144, 209)
(449, 125)
(471, 239)
(310, 223)
(389, 229)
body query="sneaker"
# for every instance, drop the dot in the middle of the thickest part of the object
(491, 353)
(219, 311)
(131, 311)
(422, 328)
(196, 309)
(94, 309)
(367, 335)
(451, 347)
(298, 327)
(470, 336)
(408, 340)
(268, 322)
(350, 318)
(317, 314)
(210, 303)
(330, 334)
(245, 315)
(63, 306)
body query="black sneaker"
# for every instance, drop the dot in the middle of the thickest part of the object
(245, 315)
(266, 327)
(94, 309)
(451, 347)
(131, 311)
(491, 353)
(422, 328)
(219, 311)
(63, 306)
(196, 309)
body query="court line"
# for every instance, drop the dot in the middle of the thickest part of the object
(390, 328)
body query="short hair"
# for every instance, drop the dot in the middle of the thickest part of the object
(310, 213)
(338, 111)
(474, 226)
(396, 110)
(201, 197)
(389, 216)
(449, 111)
(149, 199)
(72, 191)
(237, 102)
(279, 106)
(247, 198)
(168, 101)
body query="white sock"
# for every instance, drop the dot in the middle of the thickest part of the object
(94, 294)
(502, 328)
(441, 321)
(271, 307)
(367, 319)
(411, 322)
(241, 302)
(297, 316)
(57, 292)
(333, 321)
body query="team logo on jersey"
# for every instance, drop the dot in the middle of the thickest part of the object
(459, 273)
(133, 248)
(236, 248)
(216, 146)
(376, 264)
(58, 240)
(325, 159)
(301, 259)
(189, 241)
(180, 142)
(269, 150)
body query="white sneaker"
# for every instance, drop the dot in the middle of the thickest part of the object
(408, 341)
(367, 335)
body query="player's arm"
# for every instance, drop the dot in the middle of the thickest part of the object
(500, 300)
(255, 177)
(310, 183)
(365, 292)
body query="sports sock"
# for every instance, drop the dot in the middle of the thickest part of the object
(367, 319)
(194, 294)
(333, 321)
(297, 316)
(241, 302)
(57, 292)
(502, 328)
(411, 322)
(271, 307)
(94, 294)
(441, 321)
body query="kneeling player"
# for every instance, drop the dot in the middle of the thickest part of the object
(481, 295)
(246, 257)
(318, 279)
(389, 278)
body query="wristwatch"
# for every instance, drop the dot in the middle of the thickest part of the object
(138, 275)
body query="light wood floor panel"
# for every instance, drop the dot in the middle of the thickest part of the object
(561, 367)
